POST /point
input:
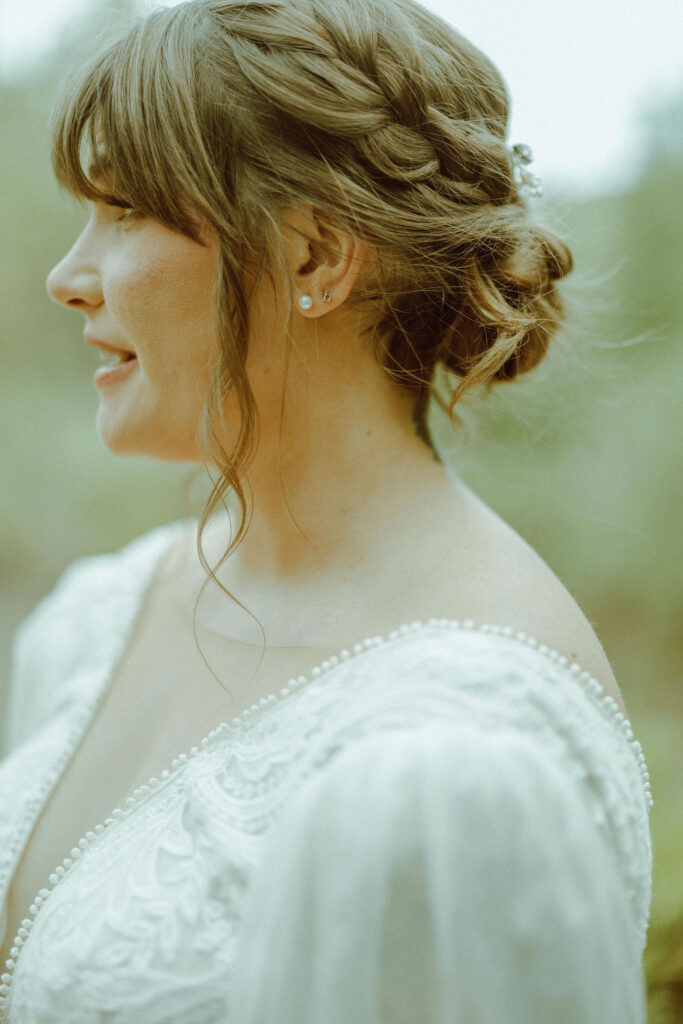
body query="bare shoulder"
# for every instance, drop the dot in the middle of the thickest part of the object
(550, 613)
(504, 581)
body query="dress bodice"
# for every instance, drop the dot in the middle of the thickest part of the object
(256, 881)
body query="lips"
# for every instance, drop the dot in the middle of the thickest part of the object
(106, 347)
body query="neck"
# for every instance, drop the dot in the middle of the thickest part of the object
(345, 485)
(324, 500)
(345, 501)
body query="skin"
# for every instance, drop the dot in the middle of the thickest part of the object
(355, 527)
(339, 497)
(131, 277)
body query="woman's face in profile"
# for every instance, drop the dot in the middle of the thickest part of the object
(150, 291)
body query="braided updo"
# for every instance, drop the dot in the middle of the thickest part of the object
(377, 113)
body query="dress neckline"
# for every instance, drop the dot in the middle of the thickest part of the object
(591, 687)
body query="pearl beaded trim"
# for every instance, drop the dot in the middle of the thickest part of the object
(591, 686)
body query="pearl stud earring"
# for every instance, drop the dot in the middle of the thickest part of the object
(305, 302)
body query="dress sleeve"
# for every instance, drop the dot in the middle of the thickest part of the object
(77, 629)
(36, 661)
(445, 875)
(21, 710)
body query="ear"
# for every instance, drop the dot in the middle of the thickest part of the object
(323, 259)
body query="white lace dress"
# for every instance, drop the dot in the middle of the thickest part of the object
(448, 825)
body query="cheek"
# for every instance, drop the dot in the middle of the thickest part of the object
(133, 291)
(164, 299)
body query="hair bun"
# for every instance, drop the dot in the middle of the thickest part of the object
(509, 307)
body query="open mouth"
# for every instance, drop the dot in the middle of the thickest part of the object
(115, 367)
(117, 359)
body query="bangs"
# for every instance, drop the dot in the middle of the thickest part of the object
(125, 126)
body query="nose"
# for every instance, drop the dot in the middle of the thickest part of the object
(74, 282)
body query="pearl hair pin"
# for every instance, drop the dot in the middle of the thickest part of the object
(521, 156)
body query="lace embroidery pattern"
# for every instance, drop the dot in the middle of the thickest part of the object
(226, 801)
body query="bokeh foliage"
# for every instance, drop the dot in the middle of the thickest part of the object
(584, 457)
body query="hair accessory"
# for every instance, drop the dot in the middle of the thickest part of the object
(327, 297)
(305, 302)
(521, 156)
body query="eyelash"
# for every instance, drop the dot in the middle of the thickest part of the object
(129, 211)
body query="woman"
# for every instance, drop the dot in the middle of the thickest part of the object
(299, 211)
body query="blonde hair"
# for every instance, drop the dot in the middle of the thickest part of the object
(377, 113)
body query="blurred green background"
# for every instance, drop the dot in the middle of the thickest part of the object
(584, 457)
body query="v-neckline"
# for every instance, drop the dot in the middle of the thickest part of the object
(591, 687)
(178, 528)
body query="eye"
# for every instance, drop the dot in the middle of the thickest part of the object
(127, 211)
